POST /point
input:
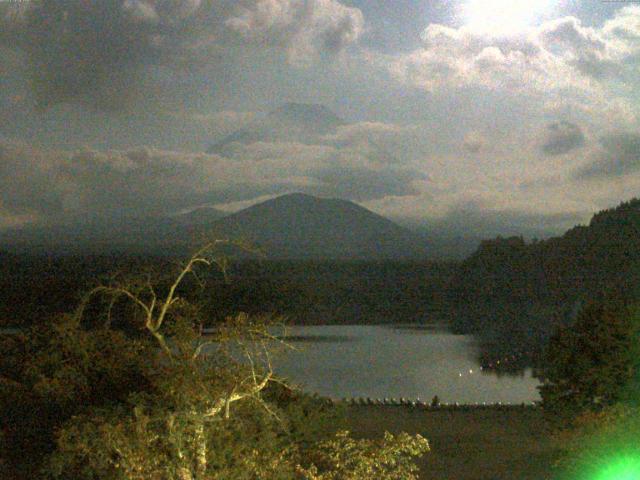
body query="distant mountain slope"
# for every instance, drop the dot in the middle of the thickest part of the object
(292, 122)
(302, 226)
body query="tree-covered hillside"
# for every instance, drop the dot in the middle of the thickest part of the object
(511, 292)
(34, 288)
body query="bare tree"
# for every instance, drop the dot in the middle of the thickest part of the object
(231, 364)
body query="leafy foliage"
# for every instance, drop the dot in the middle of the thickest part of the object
(591, 364)
(344, 458)
(48, 374)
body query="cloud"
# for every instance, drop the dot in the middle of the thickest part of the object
(101, 52)
(482, 215)
(382, 143)
(54, 186)
(624, 28)
(57, 185)
(145, 182)
(29, 181)
(562, 137)
(618, 156)
(584, 48)
(363, 184)
(367, 132)
(79, 49)
(558, 60)
(305, 28)
(456, 57)
(361, 161)
(474, 220)
(474, 142)
(353, 170)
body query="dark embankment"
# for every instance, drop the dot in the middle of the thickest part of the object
(476, 444)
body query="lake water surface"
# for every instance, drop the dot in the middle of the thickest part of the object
(387, 361)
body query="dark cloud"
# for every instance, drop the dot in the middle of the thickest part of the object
(100, 51)
(54, 186)
(29, 183)
(87, 49)
(362, 184)
(598, 68)
(620, 155)
(146, 182)
(582, 47)
(562, 137)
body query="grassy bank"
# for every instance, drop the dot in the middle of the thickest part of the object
(482, 444)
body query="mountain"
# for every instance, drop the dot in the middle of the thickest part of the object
(292, 122)
(294, 226)
(302, 226)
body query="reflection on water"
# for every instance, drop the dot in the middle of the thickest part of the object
(392, 361)
(315, 338)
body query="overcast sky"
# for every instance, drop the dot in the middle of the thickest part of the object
(488, 114)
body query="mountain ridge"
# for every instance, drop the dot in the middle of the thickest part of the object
(298, 225)
(291, 226)
(291, 122)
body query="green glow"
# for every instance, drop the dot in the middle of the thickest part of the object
(626, 468)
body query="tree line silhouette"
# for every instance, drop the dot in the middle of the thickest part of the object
(514, 294)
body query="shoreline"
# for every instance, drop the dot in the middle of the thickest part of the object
(418, 404)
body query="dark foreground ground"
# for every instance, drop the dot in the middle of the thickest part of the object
(483, 444)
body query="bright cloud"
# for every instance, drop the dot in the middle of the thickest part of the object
(502, 17)
(558, 61)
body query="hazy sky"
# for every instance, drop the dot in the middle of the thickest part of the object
(499, 115)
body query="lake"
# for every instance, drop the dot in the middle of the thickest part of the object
(381, 361)
(390, 361)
